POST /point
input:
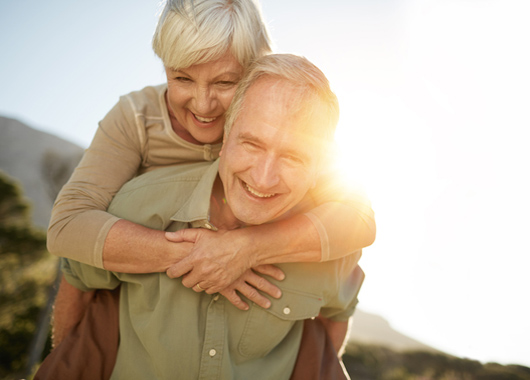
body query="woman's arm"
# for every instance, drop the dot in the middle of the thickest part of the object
(131, 248)
(330, 230)
(79, 222)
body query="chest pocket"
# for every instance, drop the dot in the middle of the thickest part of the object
(266, 328)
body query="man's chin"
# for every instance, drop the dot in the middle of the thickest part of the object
(254, 218)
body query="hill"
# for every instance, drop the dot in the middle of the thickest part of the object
(39, 161)
(373, 329)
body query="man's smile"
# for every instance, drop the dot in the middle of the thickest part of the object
(257, 193)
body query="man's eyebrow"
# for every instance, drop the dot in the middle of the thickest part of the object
(299, 154)
(247, 136)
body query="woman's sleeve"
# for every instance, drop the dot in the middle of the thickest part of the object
(79, 223)
(343, 217)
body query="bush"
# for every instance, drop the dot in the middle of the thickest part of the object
(27, 272)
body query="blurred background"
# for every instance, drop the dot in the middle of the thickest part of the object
(434, 99)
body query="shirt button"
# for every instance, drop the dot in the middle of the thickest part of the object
(212, 352)
(208, 226)
(287, 311)
(216, 297)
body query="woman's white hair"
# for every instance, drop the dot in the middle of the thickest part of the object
(191, 32)
(311, 83)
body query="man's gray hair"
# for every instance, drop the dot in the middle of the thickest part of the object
(191, 32)
(299, 72)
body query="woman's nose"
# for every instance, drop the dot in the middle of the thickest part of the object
(205, 101)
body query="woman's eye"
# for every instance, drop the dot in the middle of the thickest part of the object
(183, 79)
(226, 83)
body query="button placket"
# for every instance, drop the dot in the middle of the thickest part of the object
(214, 336)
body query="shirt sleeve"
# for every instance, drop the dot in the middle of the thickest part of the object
(343, 217)
(342, 303)
(79, 223)
(86, 277)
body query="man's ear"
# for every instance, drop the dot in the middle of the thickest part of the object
(223, 146)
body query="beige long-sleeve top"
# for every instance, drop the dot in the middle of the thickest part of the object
(136, 137)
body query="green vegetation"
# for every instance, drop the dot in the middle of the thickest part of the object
(27, 273)
(368, 362)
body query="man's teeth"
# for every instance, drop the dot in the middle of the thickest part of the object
(205, 119)
(257, 193)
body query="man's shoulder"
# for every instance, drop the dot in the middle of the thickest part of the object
(152, 198)
(187, 173)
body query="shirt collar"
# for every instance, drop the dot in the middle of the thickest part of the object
(196, 210)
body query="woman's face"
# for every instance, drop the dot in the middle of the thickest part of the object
(198, 97)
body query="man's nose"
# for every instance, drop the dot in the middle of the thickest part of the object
(205, 101)
(266, 174)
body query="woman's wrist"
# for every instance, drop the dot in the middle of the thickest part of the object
(291, 240)
(131, 248)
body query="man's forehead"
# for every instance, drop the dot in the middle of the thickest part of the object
(304, 112)
(280, 89)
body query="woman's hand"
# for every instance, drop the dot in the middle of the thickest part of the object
(216, 261)
(249, 284)
(217, 264)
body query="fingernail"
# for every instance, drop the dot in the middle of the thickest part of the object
(267, 304)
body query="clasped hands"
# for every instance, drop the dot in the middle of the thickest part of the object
(222, 262)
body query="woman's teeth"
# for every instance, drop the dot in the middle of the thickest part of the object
(257, 193)
(205, 119)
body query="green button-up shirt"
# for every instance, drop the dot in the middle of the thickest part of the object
(168, 331)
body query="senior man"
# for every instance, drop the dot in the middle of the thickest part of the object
(281, 121)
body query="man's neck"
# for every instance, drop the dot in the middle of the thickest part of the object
(221, 215)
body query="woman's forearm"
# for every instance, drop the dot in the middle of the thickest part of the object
(132, 248)
(288, 241)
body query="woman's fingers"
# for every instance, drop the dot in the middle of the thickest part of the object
(270, 270)
(262, 284)
(231, 295)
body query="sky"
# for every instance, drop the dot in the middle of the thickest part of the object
(434, 106)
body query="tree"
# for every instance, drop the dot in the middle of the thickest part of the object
(27, 271)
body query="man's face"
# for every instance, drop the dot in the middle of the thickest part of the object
(268, 163)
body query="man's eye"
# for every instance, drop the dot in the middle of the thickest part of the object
(250, 145)
(294, 159)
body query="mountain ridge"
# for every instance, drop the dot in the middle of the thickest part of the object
(39, 161)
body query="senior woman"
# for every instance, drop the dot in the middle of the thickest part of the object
(205, 46)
